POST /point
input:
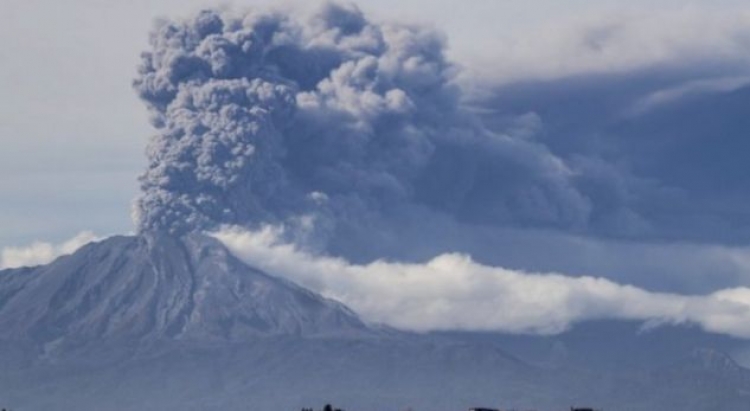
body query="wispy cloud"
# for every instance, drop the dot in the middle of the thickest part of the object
(451, 291)
(40, 253)
(690, 88)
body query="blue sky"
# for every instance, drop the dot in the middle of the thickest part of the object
(606, 86)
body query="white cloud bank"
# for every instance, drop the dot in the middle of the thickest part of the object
(40, 253)
(452, 292)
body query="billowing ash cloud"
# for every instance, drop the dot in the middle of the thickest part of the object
(357, 135)
(267, 118)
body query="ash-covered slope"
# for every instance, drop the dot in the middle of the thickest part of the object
(155, 286)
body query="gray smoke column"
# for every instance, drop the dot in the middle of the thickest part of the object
(264, 118)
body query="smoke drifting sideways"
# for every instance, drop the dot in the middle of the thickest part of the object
(332, 124)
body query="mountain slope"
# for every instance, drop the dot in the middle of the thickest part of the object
(153, 287)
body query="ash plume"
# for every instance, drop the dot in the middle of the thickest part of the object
(269, 118)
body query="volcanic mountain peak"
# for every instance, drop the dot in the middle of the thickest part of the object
(155, 286)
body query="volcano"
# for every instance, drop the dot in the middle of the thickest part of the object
(154, 287)
(158, 322)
